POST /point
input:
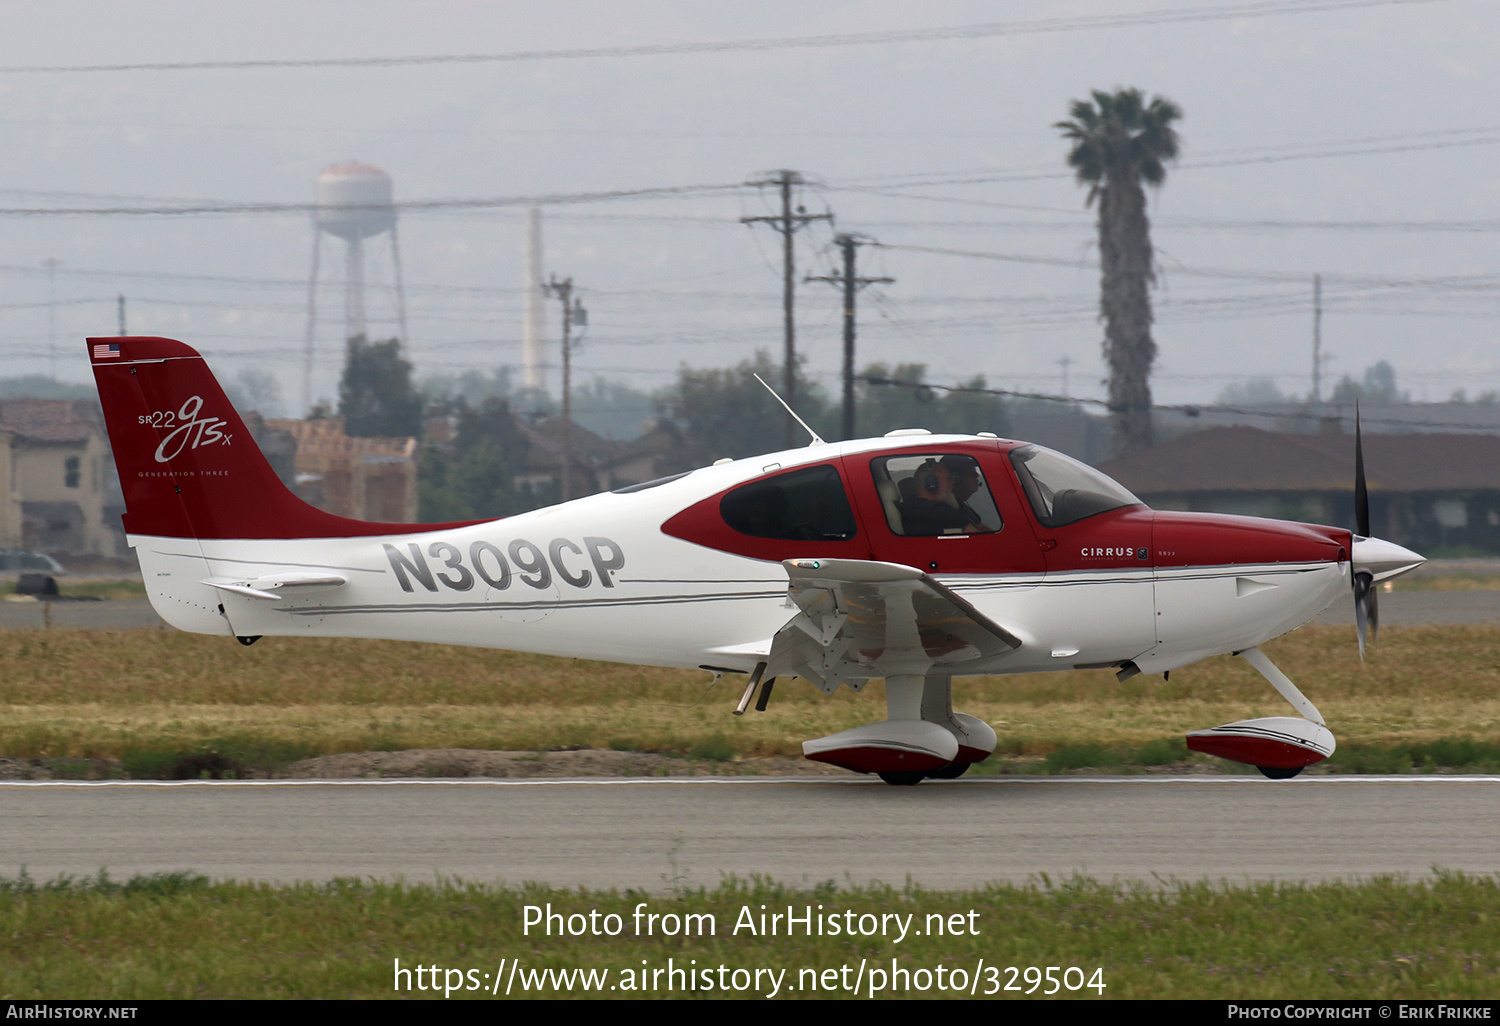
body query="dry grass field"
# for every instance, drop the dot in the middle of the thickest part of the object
(106, 694)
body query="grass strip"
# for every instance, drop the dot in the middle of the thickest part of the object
(182, 936)
(1430, 697)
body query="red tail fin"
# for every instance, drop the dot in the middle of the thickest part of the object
(188, 466)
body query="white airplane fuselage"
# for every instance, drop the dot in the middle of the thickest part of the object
(596, 578)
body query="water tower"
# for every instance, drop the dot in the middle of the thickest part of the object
(354, 203)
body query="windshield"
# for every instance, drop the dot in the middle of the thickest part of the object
(1063, 491)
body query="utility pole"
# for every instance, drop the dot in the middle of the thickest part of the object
(1317, 338)
(787, 224)
(120, 304)
(572, 313)
(1065, 363)
(851, 285)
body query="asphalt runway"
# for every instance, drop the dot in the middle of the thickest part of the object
(654, 834)
(659, 834)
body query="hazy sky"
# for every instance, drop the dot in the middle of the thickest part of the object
(940, 144)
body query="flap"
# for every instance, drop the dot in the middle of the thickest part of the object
(859, 619)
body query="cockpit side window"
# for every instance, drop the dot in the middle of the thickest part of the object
(802, 505)
(930, 494)
(1063, 491)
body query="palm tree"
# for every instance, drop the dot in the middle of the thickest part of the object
(1120, 141)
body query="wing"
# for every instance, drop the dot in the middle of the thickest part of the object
(858, 619)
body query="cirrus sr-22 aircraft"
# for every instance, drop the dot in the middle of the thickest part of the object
(913, 558)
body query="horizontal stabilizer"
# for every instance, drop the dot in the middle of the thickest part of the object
(291, 584)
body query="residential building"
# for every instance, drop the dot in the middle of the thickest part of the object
(361, 478)
(1435, 493)
(59, 470)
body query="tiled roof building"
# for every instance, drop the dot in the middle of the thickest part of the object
(58, 491)
(363, 478)
(1427, 491)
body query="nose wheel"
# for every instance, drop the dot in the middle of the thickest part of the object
(1280, 772)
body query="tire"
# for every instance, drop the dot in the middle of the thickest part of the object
(952, 771)
(1280, 772)
(902, 778)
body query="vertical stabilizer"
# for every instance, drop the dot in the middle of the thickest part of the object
(188, 466)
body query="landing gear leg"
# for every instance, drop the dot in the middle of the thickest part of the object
(905, 699)
(1279, 746)
(976, 739)
(1283, 685)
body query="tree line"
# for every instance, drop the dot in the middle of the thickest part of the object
(480, 468)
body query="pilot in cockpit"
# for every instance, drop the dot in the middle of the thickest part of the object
(939, 504)
(964, 473)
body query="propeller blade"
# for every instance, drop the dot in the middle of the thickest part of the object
(1361, 493)
(1366, 608)
(1363, 600)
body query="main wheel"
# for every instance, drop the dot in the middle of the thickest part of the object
(1280, 772)
(902, 778)
(952, 771)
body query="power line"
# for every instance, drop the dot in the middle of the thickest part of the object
(1247, 153)
(892, 189)
(1454, 282)
(1191, 409)
(1085, 223)
(408, 205)
(468, 131)
(1034, 175)
(982, 30)
(27, 270)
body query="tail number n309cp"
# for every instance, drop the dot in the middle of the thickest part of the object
(522, 560)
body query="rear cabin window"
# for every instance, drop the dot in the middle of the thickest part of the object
(932, 494)
(803, 505)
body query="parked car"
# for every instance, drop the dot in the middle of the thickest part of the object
(13, 560)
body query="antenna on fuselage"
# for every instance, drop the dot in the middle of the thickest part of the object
(815, 439)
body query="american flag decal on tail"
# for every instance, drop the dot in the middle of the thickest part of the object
(106, 350)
